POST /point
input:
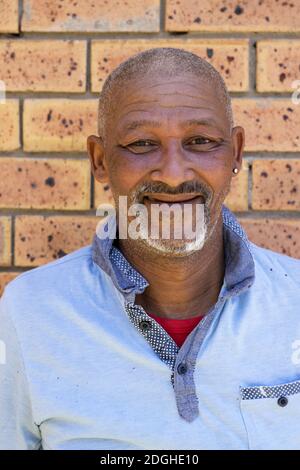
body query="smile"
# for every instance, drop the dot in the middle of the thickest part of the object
(174, 198)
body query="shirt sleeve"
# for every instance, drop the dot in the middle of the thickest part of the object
(18, 431)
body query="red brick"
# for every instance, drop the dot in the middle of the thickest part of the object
(91, 16)
(59, 124)
(5, 240)
(280, 235)
(9, 22)
(43, 65)
(277, 65)
(276, 185)
(9, 128)
(225, 15)
(270, 124)
(44, 183)
(41, 239)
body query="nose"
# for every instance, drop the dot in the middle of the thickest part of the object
(173, 168)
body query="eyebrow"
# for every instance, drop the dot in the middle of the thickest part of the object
(149, 123)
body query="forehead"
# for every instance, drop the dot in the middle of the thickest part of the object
(154, 101)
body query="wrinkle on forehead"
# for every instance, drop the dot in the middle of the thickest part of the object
(138, 95)
(179, 120)
(176, 82)
(181, 97)
(139, 87)
(206, 111)
(198, 108)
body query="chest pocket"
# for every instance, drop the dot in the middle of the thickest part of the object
(272, 416)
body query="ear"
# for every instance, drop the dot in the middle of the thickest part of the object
(238, 142)
(95, 148)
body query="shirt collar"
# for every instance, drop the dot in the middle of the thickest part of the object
(239, 262)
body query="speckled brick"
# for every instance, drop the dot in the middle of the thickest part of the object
(44, 65)
(91, 15)
(58, 124)
(276, 185)
(226, 15)
(5, 240)
(41, 239)
(270, 124)
(9, 22)
(9, 127)
(237, 199)
(281, 235)
(44, 183)
(229, 57)
(277, 65)
(5, 278)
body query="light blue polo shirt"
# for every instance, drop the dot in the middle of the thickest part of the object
(83, 367)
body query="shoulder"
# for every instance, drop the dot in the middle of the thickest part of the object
(275, 265)
(45, 297)
(52, 270)
(58, 279)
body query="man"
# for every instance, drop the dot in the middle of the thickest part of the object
(157, 343)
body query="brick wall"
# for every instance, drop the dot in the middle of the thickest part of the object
(54, 57)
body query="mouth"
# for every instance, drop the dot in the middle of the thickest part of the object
(174, 198)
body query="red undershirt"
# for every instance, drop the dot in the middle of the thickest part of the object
(177, 329)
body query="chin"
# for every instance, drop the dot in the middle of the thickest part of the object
(174, 248)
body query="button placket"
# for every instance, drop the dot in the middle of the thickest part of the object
(159, 340)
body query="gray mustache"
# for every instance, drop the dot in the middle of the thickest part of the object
(184, 188)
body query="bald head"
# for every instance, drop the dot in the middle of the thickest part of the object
(167, 61)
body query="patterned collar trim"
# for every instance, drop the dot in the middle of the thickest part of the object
(239, 263)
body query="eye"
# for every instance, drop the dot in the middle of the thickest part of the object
(141, 146)
(141, 143)
(203, 140)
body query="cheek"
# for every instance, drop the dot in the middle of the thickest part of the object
(124, 174)
(221, 181)
(216, 167)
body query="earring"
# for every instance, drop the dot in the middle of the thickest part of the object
(235, 170)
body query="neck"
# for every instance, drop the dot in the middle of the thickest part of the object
(180, 287)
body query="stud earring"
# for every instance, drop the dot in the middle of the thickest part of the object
(235, 170)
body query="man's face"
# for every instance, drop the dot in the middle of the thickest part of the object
(183, 154)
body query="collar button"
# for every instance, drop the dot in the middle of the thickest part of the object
(145, 325)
